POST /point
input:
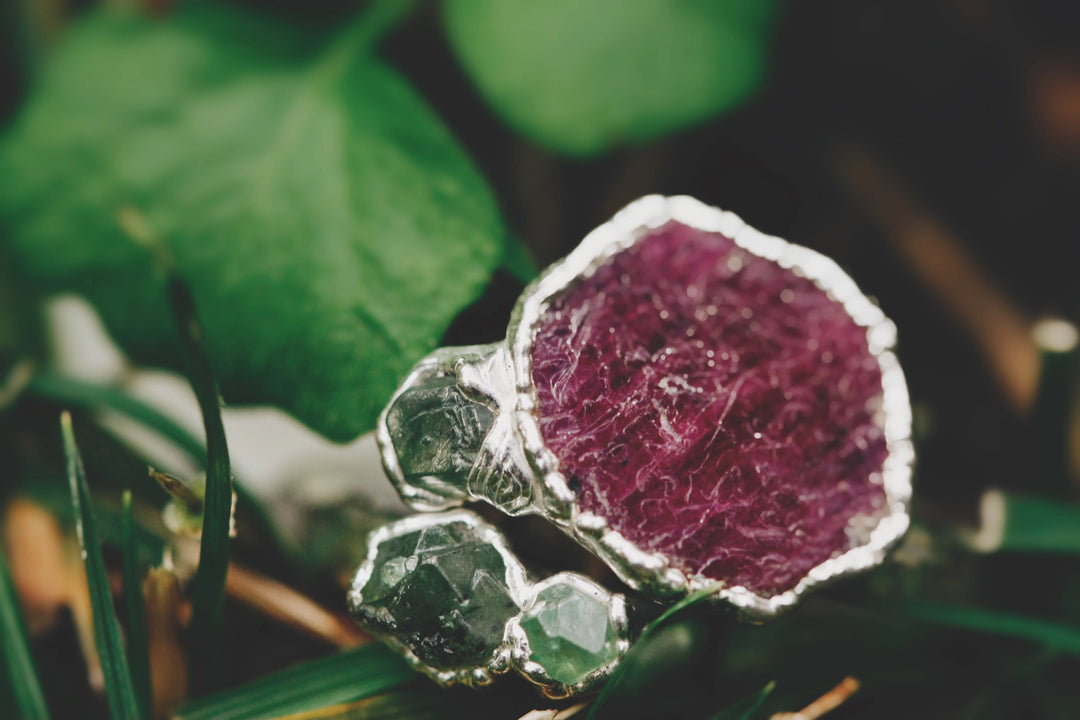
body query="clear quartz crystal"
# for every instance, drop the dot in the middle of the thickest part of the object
(570, 633)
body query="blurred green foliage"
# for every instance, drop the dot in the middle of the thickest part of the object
(582, 77)
(329, 225)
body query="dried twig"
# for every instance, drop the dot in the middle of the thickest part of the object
(282, 603)
(949, 272)
(166, 615)
(554, 714)
(826, 703)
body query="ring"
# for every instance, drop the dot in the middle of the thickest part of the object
(702, 406)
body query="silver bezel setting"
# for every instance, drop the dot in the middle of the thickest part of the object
(442, 362)
(653, 572)
(515, 577)
(534, 672)
(502, 373)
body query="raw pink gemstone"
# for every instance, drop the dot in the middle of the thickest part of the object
(714, 407)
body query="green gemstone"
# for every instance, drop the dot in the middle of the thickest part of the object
(437, 431)
(570, 633)
(442, 591)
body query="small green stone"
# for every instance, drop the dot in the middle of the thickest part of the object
(437, 431)
(442, 591)
(570, 633)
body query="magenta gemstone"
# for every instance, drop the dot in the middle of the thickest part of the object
(714, 407)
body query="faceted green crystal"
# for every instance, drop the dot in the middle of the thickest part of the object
(570, 633)
(437, 431)
(442, 591)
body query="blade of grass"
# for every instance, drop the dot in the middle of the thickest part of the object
(745, 708)
(1050, 634)
(689, 601)
(118, 687)
(1026, 524)
(208, 593)
(69, 391)
(655, 639)
(25, 689)
(96, 397)
(342, 678)
(138, 650)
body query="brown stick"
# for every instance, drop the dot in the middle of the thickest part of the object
(824, 704)
(282, 603)
(949, 272)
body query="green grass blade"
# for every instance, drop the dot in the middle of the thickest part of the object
(93, 396)
(69, 391)
(208, 593)
(110, 645)
(744, 709)
(1038, 525)
(137, 647)
(1050, 634)
(690, 601)
(25, 690)
(669, 642)
(346, 677)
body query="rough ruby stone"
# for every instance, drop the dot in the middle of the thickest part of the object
(714, 407)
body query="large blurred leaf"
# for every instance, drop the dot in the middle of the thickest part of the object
(582, 75)
(328, 224)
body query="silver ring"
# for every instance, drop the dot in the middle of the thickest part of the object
(649, 455)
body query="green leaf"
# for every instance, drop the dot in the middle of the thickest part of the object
(1050, 634)
(137, 645)
(110, 644)
(345, 677)
(329, 225)
(21, 678)
(744, 709)
(580, 76)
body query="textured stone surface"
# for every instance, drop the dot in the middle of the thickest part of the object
(440, 426)
(712, 406)
(442, 592)
(437, 431)
(570, 634)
